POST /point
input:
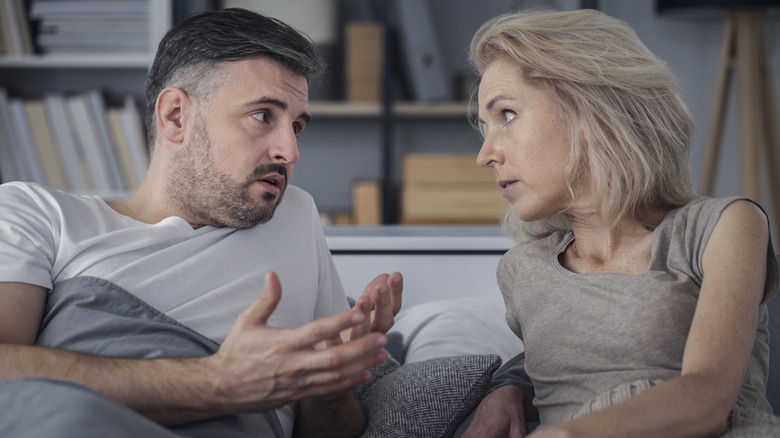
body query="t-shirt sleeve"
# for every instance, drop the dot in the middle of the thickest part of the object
(701, 223)
(28, 235)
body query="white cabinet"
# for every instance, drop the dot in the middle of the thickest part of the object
(437, 262)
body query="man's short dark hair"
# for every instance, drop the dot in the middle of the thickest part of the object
(201, 42)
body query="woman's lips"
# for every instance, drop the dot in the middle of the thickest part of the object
(507, 186)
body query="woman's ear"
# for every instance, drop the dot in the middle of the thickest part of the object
(170, 113)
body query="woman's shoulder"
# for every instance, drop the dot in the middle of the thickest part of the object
(711, 205)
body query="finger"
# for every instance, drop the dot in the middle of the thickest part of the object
(383, 311)
(375, 284)
(326, 329)
(363, 304)
(396, 284)
(345, 361)
(264, 305)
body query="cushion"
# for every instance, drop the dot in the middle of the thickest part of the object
(424, 399)
(453, 327)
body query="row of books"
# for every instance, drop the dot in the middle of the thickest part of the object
(73, 26)
(72, 142)
(90, 25)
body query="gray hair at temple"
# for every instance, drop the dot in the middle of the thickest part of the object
(629, 127)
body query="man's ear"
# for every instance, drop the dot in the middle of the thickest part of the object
(172, 107)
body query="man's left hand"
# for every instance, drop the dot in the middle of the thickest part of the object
(385, 294)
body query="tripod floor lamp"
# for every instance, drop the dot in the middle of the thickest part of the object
(744, 51)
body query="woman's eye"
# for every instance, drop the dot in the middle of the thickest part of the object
(508, 116)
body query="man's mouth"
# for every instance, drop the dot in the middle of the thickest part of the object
(273, 183)
(273, 179)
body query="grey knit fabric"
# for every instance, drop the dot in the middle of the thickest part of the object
(424, 399)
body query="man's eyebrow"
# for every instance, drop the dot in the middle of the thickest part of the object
(279, 104)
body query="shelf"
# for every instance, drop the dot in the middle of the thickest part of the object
(441, 109)
(416, 238)
(400, 109)
(90, 60)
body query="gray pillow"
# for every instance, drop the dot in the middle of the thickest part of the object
(424, 399)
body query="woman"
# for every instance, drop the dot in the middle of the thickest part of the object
(641, 305)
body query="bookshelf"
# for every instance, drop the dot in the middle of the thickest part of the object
(92, 96)
(121, 76)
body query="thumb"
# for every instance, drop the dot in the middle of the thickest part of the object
(264, 305)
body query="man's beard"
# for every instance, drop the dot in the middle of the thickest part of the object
(211, 198)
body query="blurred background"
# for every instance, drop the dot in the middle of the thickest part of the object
(391, 140)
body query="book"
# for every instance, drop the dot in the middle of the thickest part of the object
(92, 26)
(41, 8)
(133, 127)
(22, 142)
(15, 28)
(421, 52)
(119, 137)
(23, 27)
(9, 28)
(71, 42)
(10, 165)
(43, 140)
(82, 123)
(95, 103)
(73, 160)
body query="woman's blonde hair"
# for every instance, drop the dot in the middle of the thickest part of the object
(629, 127)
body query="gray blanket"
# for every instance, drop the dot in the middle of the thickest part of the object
(93, 316)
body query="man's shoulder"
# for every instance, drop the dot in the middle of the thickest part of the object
(297, 200)
(298, 194)
(19, 191)
(40, 197)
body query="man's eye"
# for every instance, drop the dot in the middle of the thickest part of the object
(508, 116)
(297, 129)
(263, 117)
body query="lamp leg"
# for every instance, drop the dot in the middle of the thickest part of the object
(771, 133)
(719, 104)
(750, 117)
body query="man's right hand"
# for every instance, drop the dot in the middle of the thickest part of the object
(259, 367)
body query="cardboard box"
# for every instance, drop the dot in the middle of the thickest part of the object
(364, 61)
(449, 189)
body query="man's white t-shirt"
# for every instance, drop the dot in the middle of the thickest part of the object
(202, 277)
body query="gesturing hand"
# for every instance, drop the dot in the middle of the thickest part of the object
(385, 295)
(259, 367)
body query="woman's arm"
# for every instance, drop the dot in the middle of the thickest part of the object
(698, 403)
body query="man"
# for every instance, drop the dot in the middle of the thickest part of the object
(153, 301)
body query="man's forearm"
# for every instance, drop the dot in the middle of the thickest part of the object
(169, 391)
(337, 416)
